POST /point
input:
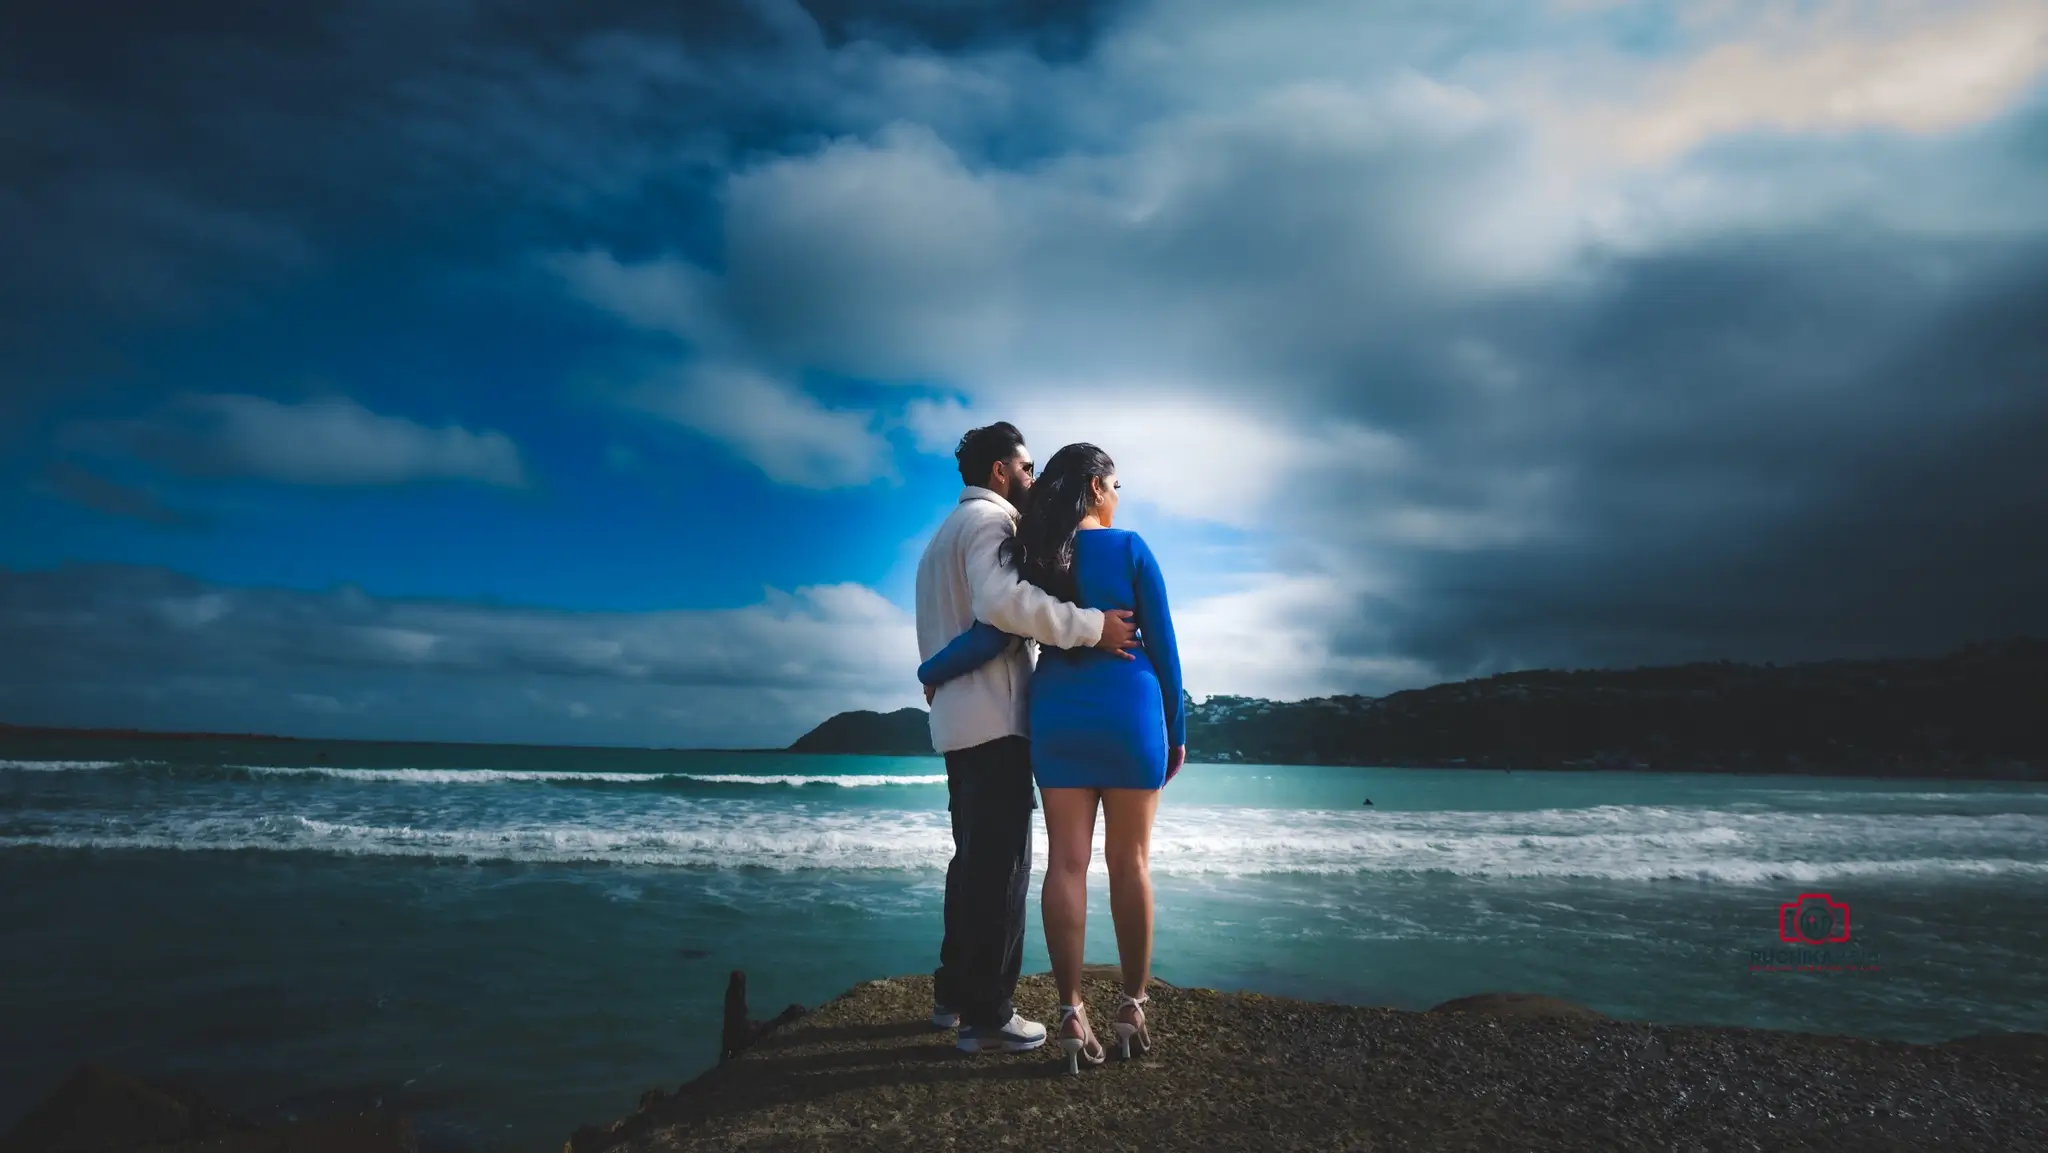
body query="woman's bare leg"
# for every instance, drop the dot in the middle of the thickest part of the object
(1070, 838)
(1127, 849)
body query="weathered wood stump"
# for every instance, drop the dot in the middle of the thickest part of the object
(739, 1032)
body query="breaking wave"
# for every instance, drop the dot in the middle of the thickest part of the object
(1616, 843)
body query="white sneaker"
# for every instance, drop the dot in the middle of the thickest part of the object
(944, 1018)
(1019, 1036)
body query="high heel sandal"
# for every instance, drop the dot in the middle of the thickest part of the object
(1078, 1045)
(1132, 1034)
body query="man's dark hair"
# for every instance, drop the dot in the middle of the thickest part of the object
(983, 448)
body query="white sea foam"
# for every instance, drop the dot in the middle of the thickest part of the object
(1615, 843)
(533, 776)
(57, 766)
(845, 782)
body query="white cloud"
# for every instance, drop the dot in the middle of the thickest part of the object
(1189, 454)
(339, 442)
(1275, 637)
(661, 295)
(1332, 280)
(1840, 67)
(786, 433)
(112, 638)
(1296, 195)
(938, 424)
(319, 442)
(780, 429)
(883, 259)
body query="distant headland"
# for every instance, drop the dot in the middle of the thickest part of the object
(903, 733)
(1979, 712)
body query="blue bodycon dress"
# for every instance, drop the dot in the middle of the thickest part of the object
(1097, 720)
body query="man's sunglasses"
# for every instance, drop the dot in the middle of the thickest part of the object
(1026, 467)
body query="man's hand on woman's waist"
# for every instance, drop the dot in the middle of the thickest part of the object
(1119, 635)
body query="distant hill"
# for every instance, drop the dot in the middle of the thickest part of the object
(1979, 712)
(30, 731)
(903, 733)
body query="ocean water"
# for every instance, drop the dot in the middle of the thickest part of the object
(509, 942)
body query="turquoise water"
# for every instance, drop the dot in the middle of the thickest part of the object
(513, 941)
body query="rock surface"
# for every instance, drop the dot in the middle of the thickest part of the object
(1244, 1071)
(1521, 1006)
(98, 1109)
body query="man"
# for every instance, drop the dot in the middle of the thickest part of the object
(979, 722)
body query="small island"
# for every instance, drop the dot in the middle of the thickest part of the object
(1980, 712)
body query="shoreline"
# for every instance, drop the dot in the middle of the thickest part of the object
(2012, 771)
(2025, 773)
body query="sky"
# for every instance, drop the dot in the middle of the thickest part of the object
(589, 373)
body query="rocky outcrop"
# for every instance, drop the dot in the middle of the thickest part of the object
(98, 1109)
(1242, 1071)
(1520, 1006)
(903, 733)
(738, 1032)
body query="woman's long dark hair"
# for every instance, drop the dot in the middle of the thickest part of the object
(1043, 549)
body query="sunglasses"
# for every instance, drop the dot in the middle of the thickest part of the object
(1029, 469)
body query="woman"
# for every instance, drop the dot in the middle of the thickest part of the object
(1104, 730)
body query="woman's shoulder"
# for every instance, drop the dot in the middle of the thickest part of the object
(1120, 542)
(1116, 537)
(1131, 538)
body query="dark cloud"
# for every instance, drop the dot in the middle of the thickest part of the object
(1790, 450)
(1790, 431)
(324, 441)
(101, 494)
(1055, 29)
(119, 645)
(1489, 387)
(166, 162)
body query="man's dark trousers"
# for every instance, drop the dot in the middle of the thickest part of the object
(990, 795)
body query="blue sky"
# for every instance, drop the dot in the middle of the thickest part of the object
(589, 374)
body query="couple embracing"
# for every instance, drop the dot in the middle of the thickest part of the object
(1049, 659)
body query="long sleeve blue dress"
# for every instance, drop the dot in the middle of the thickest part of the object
(1097, 720)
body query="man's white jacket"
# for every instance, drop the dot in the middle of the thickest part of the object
(962, 578)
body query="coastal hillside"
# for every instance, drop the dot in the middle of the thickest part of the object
(1982, 711)
(903, 733)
